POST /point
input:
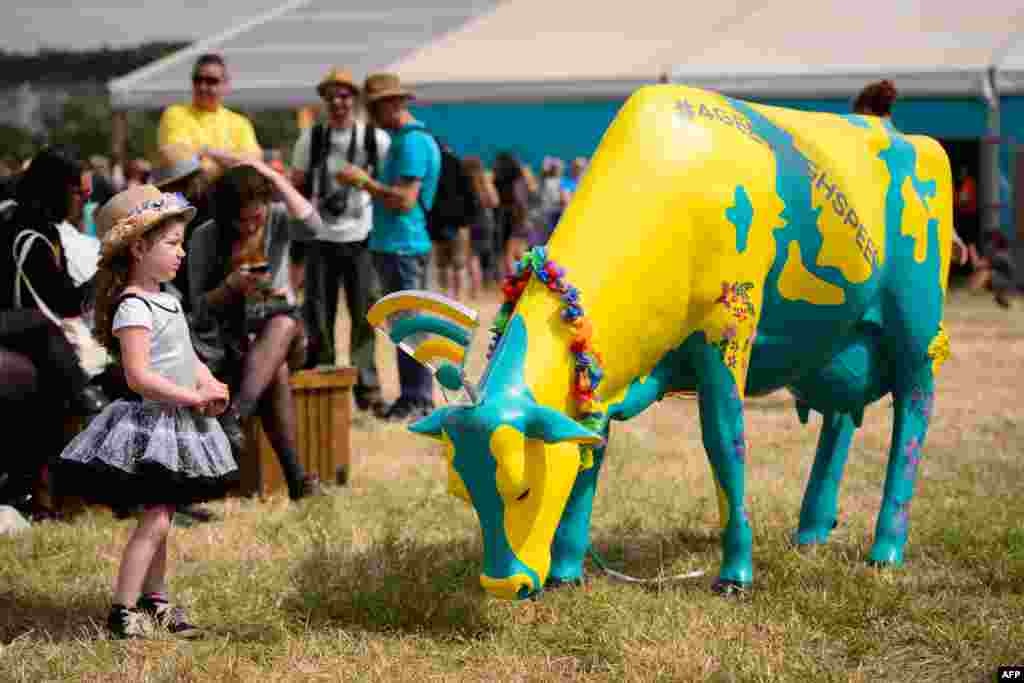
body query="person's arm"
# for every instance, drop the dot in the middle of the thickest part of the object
(209, 296)
(413, 163)
(300, 158)
(488, 193)
(399, 197)
(960, 252)
(173, 127)
(247, 146)
(298, 206)
(145, 382)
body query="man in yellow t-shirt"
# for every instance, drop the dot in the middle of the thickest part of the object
(207, 123)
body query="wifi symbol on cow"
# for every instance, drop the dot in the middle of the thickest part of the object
(435, 330)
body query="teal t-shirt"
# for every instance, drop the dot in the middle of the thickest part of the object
(413, 154)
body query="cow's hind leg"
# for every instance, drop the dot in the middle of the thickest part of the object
(912, 406)
(572, 537)
(721, 421)
(818, 513)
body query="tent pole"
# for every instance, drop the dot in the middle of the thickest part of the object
(989, 162)
(118, 137)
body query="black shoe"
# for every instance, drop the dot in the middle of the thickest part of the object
(198, 513)
(369, 402)
(311, 488)
(169, 618)
(406, 409)
(231, 423)
(124, 622)
(89, 401)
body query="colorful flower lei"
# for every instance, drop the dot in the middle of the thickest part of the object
(587, 373)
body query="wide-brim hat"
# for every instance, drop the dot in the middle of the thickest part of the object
(336, 76)
(177, 162)
(380, 86)
(129, 215)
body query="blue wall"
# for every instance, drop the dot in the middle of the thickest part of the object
(569, 129)
(530, 130)
(533, 130)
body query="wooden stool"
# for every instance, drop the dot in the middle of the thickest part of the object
(323, 410)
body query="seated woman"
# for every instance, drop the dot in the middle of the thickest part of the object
(238, 289)
(39, 371)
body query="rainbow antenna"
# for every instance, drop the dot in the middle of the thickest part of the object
(433, 329)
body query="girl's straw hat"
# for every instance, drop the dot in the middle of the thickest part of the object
(130, 214)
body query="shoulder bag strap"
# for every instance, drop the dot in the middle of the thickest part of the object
(24, 240)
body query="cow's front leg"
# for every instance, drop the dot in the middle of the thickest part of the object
(721, 421)
(572, 538)
(912, 406)
(819, 510)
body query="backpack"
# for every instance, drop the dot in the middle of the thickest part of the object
(455, 202)
(319, 146)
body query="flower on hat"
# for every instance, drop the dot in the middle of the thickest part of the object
(141, 217)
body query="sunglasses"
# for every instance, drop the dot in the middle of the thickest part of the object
(206, 80)
(332, 95)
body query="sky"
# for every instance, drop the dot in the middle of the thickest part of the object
(27, 25)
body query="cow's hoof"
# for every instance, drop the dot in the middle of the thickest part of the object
(730, 588)
(813, 536)
(554, 583)
(886, 553)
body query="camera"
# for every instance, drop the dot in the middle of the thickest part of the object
(334, 205)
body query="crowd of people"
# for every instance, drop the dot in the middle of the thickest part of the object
(371, 202)
(166, 304)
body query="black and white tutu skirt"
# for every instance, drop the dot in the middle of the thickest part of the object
(147, 453)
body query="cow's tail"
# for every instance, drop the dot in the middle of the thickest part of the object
(619, 576)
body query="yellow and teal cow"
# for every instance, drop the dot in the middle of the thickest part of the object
(731, 249)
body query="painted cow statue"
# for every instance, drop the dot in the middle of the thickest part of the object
(730, 249)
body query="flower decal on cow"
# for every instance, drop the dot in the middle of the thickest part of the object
(739, 333)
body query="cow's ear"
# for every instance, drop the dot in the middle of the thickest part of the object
(551, 426)
(432, 425)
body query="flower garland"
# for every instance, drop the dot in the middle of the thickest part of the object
(587, 373)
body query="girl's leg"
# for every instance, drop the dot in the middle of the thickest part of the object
(155, 582)
(154, 523)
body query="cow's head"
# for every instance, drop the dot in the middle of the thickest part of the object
(516, 461)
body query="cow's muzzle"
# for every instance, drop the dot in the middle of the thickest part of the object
(515, 587)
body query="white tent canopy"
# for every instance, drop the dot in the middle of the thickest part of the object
(276, 59)
(528, 49)
(475, 50)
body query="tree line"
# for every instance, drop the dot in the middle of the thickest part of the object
(86, 117)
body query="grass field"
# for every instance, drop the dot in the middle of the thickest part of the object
(379, 580)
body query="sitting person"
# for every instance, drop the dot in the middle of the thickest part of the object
(42, 304)
(39, 370)
(238, 287)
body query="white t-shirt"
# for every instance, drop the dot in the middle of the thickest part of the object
(354, 225)
(83, 252)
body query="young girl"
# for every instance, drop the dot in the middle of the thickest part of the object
(164, 448)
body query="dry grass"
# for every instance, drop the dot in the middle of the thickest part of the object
(378, 582)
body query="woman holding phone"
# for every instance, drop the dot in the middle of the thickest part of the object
(244, 316)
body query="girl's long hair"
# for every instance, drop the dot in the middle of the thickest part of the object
(113, 276)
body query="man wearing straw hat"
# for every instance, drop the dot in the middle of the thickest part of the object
(339, 256)
(403, 193)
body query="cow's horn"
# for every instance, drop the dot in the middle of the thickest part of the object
(552, 426)
(432, 425)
